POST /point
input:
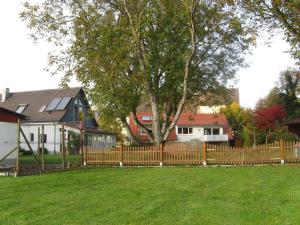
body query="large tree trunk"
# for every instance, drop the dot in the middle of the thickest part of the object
(157, 134)
(130, 135)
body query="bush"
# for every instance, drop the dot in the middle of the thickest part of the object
(25, 152)
(46, 151)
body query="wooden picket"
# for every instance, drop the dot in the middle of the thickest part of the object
(194, 154)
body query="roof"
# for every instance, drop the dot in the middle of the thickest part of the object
(192, 119)
(294, 121)
(202, 119)
(35, 100)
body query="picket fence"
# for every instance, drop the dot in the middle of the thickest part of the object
(193, 154)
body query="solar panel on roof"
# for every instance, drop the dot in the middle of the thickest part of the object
(53, 104)
(63, 103)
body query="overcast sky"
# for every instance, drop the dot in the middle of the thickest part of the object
(22, 63)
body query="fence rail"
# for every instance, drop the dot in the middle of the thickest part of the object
(189, 154)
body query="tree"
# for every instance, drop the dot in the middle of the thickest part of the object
(249, 129)
(279, 14)
(235, 117)
(289, 84)
(285, 93)
(267, 119)
(125, 52)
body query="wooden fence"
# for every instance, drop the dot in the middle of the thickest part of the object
(193, 154)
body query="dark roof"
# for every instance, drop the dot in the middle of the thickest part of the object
(294, 121)
(35, 100)
(12, 112)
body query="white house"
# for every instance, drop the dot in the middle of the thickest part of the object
(204, 127)
(52, 108)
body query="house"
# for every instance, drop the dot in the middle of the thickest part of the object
(8, 137)
(233, 96)
(294, 126)
(204, 127)
(52, 108)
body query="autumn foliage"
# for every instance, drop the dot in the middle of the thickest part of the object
(267, 118)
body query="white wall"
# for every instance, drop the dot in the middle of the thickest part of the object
(53, 136)
(8, 141)
(198, 133)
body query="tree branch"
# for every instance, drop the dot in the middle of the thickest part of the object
(186, 71)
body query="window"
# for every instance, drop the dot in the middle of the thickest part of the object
(147, 118)
(216, 131)
(31, 137)
(185, 130)
(21, 108)
(207, 131)
(45, 138)
(42, 109)
(78, 113)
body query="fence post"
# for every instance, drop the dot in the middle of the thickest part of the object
(81, 151)
(161, 149)
(18, 150)
(121, 155)
(85, 156)
(43, 148)
(204, 153)
(63, 146)
(282, 152)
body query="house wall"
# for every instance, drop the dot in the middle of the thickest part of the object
(8, 141)
(198, 134)
(50, 129)
(53, 144)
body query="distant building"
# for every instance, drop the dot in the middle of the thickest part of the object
(234, 96)
(294, 126)
(51, 108)
(212, 128)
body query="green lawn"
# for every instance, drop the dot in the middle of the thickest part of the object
(51, 159)
(196, 195)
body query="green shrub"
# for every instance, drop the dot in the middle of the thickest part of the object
(46, 151)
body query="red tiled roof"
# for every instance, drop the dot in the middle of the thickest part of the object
(202, 119)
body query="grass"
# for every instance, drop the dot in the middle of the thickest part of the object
(195, 195)
(51, 159)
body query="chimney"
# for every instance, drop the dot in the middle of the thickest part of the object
(4, 94)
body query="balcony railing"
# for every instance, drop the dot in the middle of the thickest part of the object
(215, 137)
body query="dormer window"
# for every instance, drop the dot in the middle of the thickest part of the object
(147, 118)
(21, 108)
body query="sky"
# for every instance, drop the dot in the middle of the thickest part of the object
(23, 63)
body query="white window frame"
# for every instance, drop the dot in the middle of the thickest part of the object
(22, 107)
(190, 130)
(146, 118)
